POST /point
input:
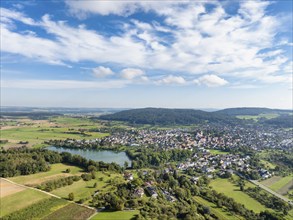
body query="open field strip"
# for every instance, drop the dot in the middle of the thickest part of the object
(288, 180)
(30, 195)
(231, 190)
(56, 171)
(121, 215)
(71, 211)
(8, 188)
(219, 212)
(19, 200)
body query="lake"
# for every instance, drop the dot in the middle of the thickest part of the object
(106, 156)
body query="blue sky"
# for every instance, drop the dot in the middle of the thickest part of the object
(178, 54)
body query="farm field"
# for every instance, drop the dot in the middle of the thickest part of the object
(57, 171)
(121, 215)
(84, 189)
(38, 210)
(71, 211)
(19, 200)
(256, 117)
(231, 190)
(282, 184)
(38, 131)
(8, 188)
(279, 184)
(220, 213)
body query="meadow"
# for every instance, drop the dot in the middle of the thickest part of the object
(56, 171)
(279, 184)
(84, 189)
(38, 131)
(232, 190)
(121, 215)
(257, 117)
(219, 212)
(20, 200)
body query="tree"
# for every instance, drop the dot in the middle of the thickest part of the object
(126, 164)
(91, 168)
(95, 185)
(67, 170)
(71, 196)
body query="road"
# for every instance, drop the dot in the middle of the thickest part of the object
(271, 191)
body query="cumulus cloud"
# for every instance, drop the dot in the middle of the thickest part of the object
(211, 81)
(102, 71)
(131, 73)
(172, 80)
(188, 38)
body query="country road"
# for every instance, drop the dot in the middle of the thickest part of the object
(271, 191)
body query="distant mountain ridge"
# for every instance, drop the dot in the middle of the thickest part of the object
(164, 116)
(252, 111)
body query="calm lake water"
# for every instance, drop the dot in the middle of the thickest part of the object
(106, 156)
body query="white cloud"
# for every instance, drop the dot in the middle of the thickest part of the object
(211, 81)
(102, 71)
(62, 84)
(131, 73)
(82, 9)
(187, 39)
(172, 80)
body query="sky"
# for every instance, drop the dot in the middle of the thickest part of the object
(134, 54)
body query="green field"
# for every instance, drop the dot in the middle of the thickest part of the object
(84, 189)
(256, 117)
(57, 170)
(38, 131)
(19, 200)
(215, 152)
(219, 212)
(267, 164)
(121, 215)
(38, 210)
(72, 212)
(231, 190)
(281, 184)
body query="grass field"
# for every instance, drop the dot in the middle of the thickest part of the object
(38, 210)
(38, 131)
(71, 212)
(84, 189)
(256, 117)
(8, 188)
(219, 212)
(121, 215)
(283, 185)
(267, 164)
(19, 200)
(231, 190)
(215, 152)
(57, 171)
(271, 181)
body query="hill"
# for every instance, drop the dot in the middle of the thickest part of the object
(252, 111)
(162, 116)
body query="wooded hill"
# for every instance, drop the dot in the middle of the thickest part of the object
(252, 111)
(163, 116)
